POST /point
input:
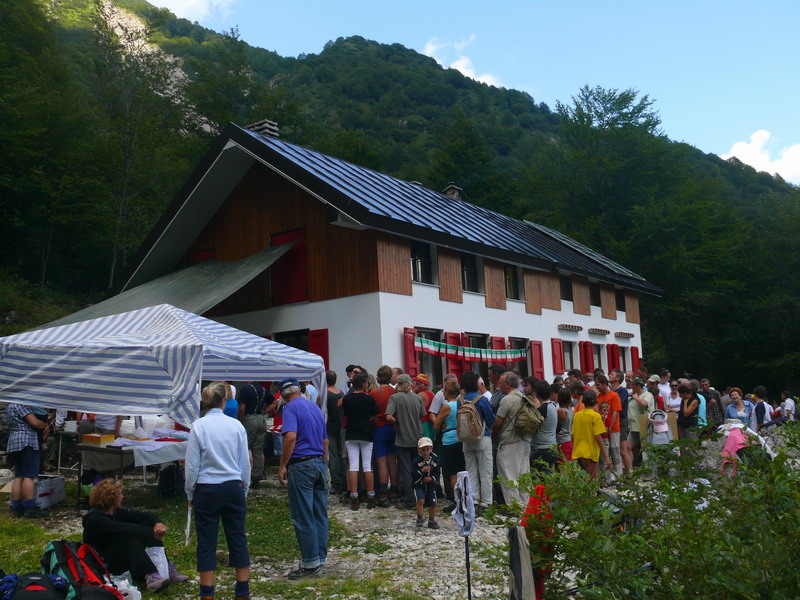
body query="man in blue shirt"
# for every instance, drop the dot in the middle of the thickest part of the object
(304, 470)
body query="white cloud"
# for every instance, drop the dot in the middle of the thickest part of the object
(756, 154)
(196, 10)
(464, 64)
(442, 51)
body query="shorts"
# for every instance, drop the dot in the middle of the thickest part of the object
(362, 449)
(453, 461)
(383, 443)
(26, 463)
(426, 492)
(623, 428)
(633, 437)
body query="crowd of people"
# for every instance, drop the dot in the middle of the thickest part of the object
(382, 440)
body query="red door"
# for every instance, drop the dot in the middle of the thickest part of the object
(635, 360)
(498, 343)
(557, 350)
(587, 357)
(318, 344)
(537, 359)
(411, 359)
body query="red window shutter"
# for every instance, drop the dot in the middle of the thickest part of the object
(537, 358)
(557, 350)
(587, 357)
(498, 343)
(465, 364)
(454, 365)
(612, 351)
(411, 360)
(318, 344)
(635, 361)
(290, 272)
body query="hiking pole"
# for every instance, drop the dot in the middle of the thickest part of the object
(188, 523)
(469, 578)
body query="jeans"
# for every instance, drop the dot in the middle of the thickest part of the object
(478, 456)
(404, 457)
(307, 486)
(256, 430)
(212, 502)
(336, 462)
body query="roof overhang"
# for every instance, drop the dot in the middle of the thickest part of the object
(196, 289)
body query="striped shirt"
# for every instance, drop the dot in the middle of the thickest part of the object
(20, 434)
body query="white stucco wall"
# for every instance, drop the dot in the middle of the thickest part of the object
(367, 329)
(424, 309)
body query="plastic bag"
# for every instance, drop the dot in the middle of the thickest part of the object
(159, 558)
(125, 586)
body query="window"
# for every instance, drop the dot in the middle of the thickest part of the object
(296, 339)
(512, 282)
(522, 365)
(428, 363)
(594, 294)
(597, 352)
(479, 340)
(421, 263)
(470, 282)
(566, 287)
(569, 361)
(619, 295)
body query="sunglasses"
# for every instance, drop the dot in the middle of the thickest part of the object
(673, 386)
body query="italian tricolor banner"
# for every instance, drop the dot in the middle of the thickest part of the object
(467, 353)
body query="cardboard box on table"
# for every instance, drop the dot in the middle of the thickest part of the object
(98, 439)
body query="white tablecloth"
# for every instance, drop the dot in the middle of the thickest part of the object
(169, 452)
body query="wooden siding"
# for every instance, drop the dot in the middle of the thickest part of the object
(450, 276)
(264, 204)
(608, 302)
(533, 293)
(581, 304)
(394, 265)
(550, 286)
(631, 307)
(494, 284)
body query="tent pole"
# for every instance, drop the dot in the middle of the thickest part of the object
(469, 576)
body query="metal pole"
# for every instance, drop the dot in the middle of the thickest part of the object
(469, 577)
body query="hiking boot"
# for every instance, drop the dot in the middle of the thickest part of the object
(155, 583)
(16, 513)
(383, 501)
(33, 513)
(344, 498)
(420, 521)
(354, 503)
(432, 524)
(175, 575)
(301, 572)
(371, 502)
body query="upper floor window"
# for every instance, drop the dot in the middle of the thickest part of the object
(594, 294)
(421, 263)
(470, 280)
(512, 282)
(566, 287)
(619, 296)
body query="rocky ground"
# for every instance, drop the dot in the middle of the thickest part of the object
(417, 561)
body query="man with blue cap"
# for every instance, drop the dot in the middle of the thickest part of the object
(304, 470)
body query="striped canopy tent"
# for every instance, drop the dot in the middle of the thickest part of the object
(143, 362)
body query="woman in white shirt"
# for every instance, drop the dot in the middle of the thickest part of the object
(217, 480)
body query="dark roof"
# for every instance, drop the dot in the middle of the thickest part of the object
(378, 201)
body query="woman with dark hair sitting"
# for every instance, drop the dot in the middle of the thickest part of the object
(122, 536)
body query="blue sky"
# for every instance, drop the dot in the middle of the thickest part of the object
(724, 75)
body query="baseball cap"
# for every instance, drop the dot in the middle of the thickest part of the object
(637, 381)
(654, 379)
(287, 383)
(424, 441)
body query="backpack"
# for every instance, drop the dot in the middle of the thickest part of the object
(470, 427)
(171, 482)
(85, 572)
(529, 419)
(33, 586)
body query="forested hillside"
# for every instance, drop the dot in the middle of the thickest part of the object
(98, 131)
